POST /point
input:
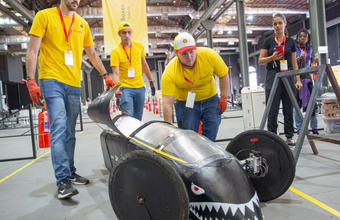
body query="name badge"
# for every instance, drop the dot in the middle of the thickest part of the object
(283, 65)
(131, 73)
(190, 100)
(68, 57)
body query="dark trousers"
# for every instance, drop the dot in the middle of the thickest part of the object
(287, 108)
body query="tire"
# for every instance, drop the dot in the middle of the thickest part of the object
(144, 186)
(278, 155)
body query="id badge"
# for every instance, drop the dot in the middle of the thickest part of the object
(131, 73)
(283, 65)
(68, 57)
(190, 100)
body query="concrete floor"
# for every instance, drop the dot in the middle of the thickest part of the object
(28, 191)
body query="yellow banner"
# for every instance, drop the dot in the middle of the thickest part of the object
(117, 11)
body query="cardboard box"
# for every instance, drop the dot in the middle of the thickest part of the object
(330, 108)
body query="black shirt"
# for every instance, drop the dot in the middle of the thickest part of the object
(270, 43)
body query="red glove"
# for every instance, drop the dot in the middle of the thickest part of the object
(108, 81)
(223, 104)
(34, 91)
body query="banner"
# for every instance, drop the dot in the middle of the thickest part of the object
(117, 11)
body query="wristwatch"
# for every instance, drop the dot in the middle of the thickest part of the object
(106, 74)
(28, 78)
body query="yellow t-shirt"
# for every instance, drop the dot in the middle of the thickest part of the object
(208, 64)
(47, 25)
(118, 58)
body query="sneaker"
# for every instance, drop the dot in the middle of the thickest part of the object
(315, 131)
(65, 190)
(78, 180)
(290, 142)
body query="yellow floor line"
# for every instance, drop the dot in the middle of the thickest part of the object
(316, 202)
(18, 170)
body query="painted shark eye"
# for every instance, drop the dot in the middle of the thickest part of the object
(196, 189)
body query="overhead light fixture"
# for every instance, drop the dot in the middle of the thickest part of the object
(250, 17)
(229, 32)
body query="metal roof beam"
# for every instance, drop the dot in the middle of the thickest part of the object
(10, 14)
(17, 6)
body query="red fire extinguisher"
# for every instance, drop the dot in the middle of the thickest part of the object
(44, 129)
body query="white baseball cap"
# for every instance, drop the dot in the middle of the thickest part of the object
(184, 41)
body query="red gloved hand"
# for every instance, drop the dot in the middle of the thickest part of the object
(34, 91)
(108, 81)
(222, 105)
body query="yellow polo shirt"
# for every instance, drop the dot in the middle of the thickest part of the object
(118, 58)
(47, 25)
(208, 64)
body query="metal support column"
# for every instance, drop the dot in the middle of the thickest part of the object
(208, 26)
(313, 26)
(242, 36)
(322, 35)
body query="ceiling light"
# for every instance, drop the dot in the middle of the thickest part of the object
(250, 17)
(229, 32)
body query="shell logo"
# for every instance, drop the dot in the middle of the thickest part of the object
(185, 41)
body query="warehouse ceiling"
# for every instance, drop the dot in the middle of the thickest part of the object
(165, 18)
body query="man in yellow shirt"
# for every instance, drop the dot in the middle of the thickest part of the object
(189, 79)
(128, 62)
(61, 35)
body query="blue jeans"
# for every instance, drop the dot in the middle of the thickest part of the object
(204, 111)
(63, 106)
(313, 121)
(133, 101)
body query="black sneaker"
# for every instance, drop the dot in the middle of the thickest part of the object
(78, 180)
(65, 190)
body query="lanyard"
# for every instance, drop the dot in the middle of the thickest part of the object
(284, 42)
(127, 56)
(63, 23)
(186, 79)
(305, 55)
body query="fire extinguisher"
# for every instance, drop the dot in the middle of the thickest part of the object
(44, 129)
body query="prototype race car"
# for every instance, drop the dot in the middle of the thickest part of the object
(161, 172)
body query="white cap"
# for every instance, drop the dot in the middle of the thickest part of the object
(184, 41)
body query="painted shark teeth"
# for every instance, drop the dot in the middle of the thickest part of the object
(201, 206)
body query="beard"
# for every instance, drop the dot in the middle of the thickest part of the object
(69, 5)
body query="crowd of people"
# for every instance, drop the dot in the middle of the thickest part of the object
(187, 83)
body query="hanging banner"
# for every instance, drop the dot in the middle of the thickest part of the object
(117, 11)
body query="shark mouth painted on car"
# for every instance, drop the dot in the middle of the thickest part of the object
(225, 211)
